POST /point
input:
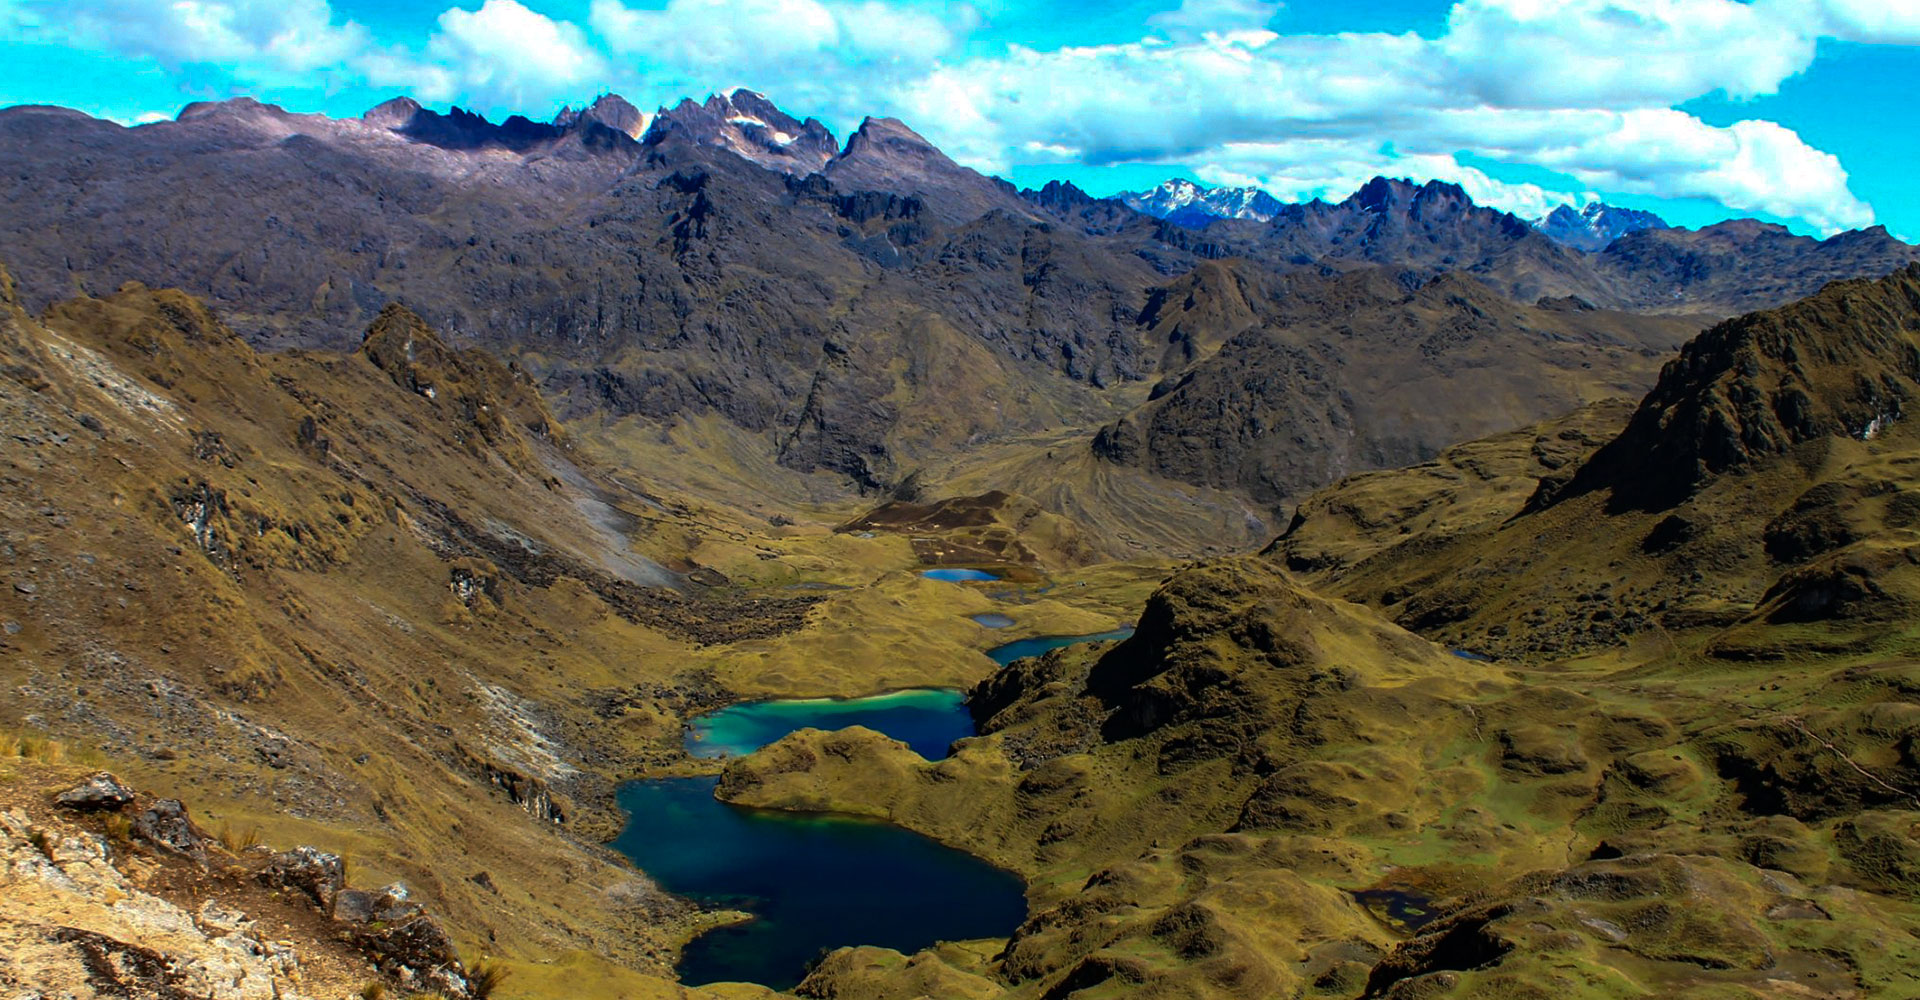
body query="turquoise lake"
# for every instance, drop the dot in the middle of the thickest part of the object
(817, 882)
(813, 883)
(927, 719)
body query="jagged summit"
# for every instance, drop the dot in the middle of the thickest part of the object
(611, 110)
(1595, 226)
(1183, 202)
(748, 125)
(883, 154)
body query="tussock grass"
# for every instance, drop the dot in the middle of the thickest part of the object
(484, 978)
(237, 840)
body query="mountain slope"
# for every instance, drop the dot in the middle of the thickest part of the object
(1369, 369)
(357, 599)
(1759, 483)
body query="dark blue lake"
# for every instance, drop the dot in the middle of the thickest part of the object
(958, 575)
(927, 719)
(1012, 651)
(813, 883)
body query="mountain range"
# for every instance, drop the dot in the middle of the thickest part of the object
(829, 303)
(1188, 204)
(1464, 613)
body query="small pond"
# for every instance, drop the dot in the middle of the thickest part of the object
(953, 575)
(992, 620)
(1012, 651)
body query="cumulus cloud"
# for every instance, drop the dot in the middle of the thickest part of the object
(1330, 169)
(1195, 19)
(1583, 87)
(505, 53)
(818, 55)
(268, 44)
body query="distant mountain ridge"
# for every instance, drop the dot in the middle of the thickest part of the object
(1185, 203)
(1595, 226)
(864, 308)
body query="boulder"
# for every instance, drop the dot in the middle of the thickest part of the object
(314, 873)
(165, 825)
(103, 791)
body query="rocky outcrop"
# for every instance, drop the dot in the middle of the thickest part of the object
(166, 826)
(102, 791)
(1844, 363)
(72, 924)
(313, 873)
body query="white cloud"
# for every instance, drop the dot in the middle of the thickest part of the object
(1195, 19)
(1620, 53)
(1299, 170)
(1888, 22)
(504, 53)
(262, 43)
(814, 55)
(1583, 87)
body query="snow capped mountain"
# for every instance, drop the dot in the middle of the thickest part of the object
(1594, 227)
(748, 124)
(1189, 204)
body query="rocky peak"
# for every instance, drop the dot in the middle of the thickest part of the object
(891, 138)
(750, 126)
(610, 110)
(885, 155)
(1595, 226)
(1060, 196)
(1843, 363)
(239, 106)
(393, 113)
(401, 344)
(1381, 195)
(1185, 203)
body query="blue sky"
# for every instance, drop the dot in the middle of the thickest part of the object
(1788, 110)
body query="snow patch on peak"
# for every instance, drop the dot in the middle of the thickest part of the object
(1188, 199)
(1595, 226)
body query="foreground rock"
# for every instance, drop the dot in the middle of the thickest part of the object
(72, 924)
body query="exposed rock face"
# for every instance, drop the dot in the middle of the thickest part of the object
(609, 110)
(1741, 265)
(315, 874)
(1398, 222)
(885, 155)
(750, 126)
